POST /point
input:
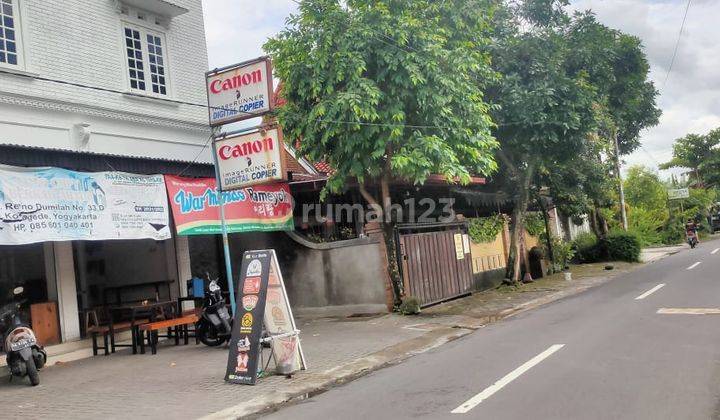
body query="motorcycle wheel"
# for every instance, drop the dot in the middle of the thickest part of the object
(32, 372)
(209, 336)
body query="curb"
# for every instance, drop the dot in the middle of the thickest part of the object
(324, 381)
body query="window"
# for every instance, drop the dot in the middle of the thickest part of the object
(146, 60)
(9, 34)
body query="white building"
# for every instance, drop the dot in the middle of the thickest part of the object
(99, 85)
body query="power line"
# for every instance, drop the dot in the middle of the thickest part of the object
(102, 89)
(677, 43)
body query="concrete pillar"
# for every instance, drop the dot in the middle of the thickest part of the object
(184, 269)
(171, 267)
(66, 291)
(50, 277)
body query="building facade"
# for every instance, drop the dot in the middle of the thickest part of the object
(100, 85)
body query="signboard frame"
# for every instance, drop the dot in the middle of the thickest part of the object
(678, 193)
(249, 132)
(241, 115)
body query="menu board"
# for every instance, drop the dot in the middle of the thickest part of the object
(262, 304)
(244, 355)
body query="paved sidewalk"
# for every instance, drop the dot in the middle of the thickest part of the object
(649, 255)
(186, 382)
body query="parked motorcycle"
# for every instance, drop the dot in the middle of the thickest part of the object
(215, 325)
(24, 356)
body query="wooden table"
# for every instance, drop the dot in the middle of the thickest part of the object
(140, 313)
(117, 291)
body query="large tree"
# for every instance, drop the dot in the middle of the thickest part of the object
(388, 89)
(544, 112)
(617, 67)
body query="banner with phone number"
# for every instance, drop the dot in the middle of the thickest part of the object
(54, 204)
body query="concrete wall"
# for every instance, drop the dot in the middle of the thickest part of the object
(489, 261)
(488, 256)
(341, 278)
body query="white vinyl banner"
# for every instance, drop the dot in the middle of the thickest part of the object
(53, 204)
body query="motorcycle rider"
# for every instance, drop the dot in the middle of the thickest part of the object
(692, 228)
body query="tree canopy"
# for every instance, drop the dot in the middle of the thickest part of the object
(699, 153)
(387, 87)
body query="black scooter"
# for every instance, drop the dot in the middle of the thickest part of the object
(24, 356)
(215, 325)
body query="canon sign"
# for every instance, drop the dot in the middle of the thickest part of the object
(248, 148)
(239, 92)
(237, 81)
(249, 159)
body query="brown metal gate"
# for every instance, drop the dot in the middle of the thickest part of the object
(431, 265)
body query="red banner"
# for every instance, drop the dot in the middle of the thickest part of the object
(196, 207)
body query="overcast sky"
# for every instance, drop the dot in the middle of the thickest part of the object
(690, 99)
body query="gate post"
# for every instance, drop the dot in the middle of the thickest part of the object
(374, 231)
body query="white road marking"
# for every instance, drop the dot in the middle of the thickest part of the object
(650, 292)
(689, 311)
(694, 265)
(714, 251)
(497, 386)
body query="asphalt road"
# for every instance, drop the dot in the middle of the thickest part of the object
(602, 354)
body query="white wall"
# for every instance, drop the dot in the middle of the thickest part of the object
(80, 41)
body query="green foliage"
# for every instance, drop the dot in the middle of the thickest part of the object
(410, 306)
(697, 152)
(535, 224)
(647, 225)
(644, 189)
(617, 246)
(586, 249)
(621, 246)
(485, 229)
(654, 219)
(360, 78)
(563, 252)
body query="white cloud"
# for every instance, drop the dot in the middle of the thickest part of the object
(237, 29)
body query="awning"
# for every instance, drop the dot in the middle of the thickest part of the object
(94, 162)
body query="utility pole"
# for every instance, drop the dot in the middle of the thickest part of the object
(623, 214)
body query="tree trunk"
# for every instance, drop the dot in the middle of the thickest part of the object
(514, 272)
(522, 177)
(389, 237)
(548, 235)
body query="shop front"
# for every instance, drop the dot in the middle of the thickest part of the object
(78, 240)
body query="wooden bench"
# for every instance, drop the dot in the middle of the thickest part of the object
(96, 330)
(108, 332)
(179, 325)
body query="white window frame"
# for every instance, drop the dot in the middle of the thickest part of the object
(129, 19)
(19, 39)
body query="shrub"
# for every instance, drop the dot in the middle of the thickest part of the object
(621, 246)
(586, 249)
(485, 229)
(410, 306)
(562, 252)
(534, 224)
(647, 225)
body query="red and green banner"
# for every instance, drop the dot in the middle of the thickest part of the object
(195, 206)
